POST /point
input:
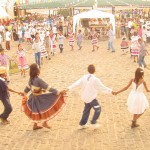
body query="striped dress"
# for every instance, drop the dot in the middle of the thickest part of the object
(43, 51)
(71, 38)
(53, 44)
(94, 39)
(134, 46)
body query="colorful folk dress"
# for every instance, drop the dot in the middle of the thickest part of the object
(71, 38)
(41, 105)
(94, 39)
(22, 61)
(134, 46)
(53, 43)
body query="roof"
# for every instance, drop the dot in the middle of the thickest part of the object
(85, 3)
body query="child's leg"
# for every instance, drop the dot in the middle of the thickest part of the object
(61, 48)
(135, 117)
(93, 48)
(24, 72)
(138, 116)
(21, 72)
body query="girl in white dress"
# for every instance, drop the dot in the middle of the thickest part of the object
(137, 101)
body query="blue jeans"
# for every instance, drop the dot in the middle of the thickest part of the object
(141, 61)
(110, 45)
(7, 108)
(38, 59)
(86, 112)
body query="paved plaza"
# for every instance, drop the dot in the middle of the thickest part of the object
(115, 71)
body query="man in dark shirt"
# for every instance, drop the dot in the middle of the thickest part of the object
(4, 96)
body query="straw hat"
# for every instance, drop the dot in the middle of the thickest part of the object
(2, 70)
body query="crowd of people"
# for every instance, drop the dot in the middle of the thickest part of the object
(45, 38)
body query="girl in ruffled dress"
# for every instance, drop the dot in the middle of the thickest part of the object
(41, 106)
(71, 38)
(94, 39)
(53, 42)
(135, 46)
(124, 43)
(22, 61)
(137, 101)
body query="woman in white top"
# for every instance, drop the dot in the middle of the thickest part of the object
(37, 50)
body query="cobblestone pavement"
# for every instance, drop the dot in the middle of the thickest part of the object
(115, 71)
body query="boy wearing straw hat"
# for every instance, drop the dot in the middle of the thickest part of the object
(4, 96)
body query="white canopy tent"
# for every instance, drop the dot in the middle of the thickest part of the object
(93, 14)
(3, 14)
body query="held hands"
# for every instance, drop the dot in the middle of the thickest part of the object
(64, 92)
(114, 93)
(21, 93)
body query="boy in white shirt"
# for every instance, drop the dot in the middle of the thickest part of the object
(90, 85)
(61, 41)
(20, 36)
(8, 38)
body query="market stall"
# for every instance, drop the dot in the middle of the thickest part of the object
(93, 14)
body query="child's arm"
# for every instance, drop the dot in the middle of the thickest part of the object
(14, 91)
(125, 88)
(145, 85)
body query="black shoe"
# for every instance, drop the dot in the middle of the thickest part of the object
(4, 121)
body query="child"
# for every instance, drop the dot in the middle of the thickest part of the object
(8, 39)
(4, 96)
(143, 52)
(61, 41)
(90, 86)
(148, 35)
(144, 34)
(28, 36)
(4, 61)
(137, 101)
(22, 62)
(94, 39)
(20, 36)
(37, 50)
(135, 46)
(71, 39)
(53, 42)
(1, 39)
(124, 43)
(79, 39)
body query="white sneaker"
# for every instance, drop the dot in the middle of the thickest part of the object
(83, 126)
(95, 126)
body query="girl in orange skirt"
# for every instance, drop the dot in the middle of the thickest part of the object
(41, 105)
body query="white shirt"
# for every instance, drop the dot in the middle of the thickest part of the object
(19, 34)
(130, 24)
(111, 35)
(37, 47)
(90, 85)
(2, 28)
(8, 36)
(61, 39)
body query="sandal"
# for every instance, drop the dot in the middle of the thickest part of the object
(134, 125)
(46, 126)
(37, 127)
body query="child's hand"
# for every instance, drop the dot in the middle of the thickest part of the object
(21, 93)
(114, 93)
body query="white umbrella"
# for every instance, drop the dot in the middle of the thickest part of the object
(3, 14)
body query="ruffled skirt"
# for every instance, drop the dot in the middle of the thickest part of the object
(43, 107)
